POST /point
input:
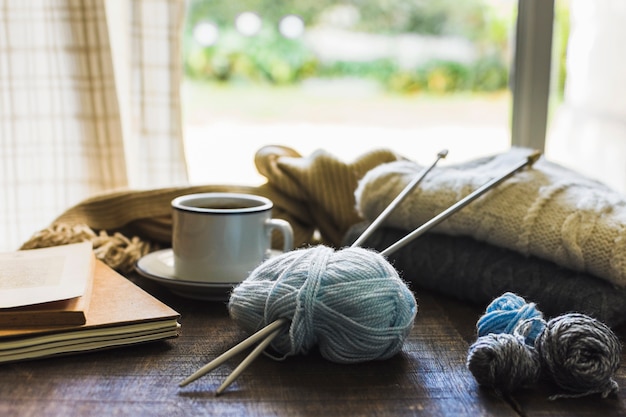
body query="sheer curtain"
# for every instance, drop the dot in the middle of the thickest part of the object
(589, 131)
(89, 102)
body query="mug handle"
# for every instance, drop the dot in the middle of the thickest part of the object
(285, 228)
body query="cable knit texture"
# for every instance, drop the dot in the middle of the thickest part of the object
(546, 211)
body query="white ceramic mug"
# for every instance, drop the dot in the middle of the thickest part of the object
(222, 237)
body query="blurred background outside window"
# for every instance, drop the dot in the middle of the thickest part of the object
(347, 77)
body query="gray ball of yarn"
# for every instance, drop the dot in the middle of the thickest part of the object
(581, 354)
(503, 361)
(351, 303)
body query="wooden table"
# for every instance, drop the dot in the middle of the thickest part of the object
(428, 378)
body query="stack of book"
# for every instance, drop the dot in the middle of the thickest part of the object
(61, 300)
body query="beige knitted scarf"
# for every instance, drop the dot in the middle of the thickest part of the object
(546, 211)
(315, 194)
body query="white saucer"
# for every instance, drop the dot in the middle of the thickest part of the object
(159, 267)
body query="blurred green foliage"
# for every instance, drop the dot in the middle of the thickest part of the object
(267, 56)
(561, 37)
(271, 58)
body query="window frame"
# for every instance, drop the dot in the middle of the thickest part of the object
(530, 74)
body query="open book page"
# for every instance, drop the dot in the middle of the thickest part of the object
(42, 275)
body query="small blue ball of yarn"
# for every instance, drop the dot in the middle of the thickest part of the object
(350, 303)
(506, 313)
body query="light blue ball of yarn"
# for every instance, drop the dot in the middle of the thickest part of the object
(509, 313)
(350, 303)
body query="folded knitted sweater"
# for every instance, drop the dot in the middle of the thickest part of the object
(466, 269)
(546, 211)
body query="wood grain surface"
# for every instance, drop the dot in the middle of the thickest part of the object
(428, 378)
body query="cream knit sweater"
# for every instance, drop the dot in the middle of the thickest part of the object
(547, 210)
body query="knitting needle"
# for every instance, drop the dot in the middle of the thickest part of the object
(529, 161)
(248, 360)
(270, 329)
(382, 216)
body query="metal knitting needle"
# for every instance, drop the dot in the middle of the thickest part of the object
(264, 332)
(529, 161)
(396, 201)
